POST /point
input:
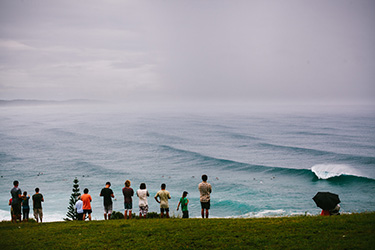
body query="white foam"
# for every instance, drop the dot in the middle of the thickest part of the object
(47, 217)
(263, 214)
(4, 215)
(326, 171)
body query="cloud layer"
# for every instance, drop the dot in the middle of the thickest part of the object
(188, 50)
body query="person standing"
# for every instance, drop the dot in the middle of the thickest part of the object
(37, 205)
(25, 206)
(79, 208)
(107, 194)
(142, 193)
(205, 190)
(164, 195)
(184, 205)
(86, 200)
(16, 202)
(128, 192)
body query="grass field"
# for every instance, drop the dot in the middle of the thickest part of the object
(355, 231)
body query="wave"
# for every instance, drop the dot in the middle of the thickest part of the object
(367, 160)
(263, 214)
(5, 158)
(327, 171)
(289, 149)
(47, 216)
(334, 172)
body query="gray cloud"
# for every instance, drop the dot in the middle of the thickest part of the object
(188, 50)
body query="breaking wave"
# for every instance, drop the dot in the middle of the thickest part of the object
(327, 171)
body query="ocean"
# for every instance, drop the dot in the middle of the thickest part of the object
(260, 161)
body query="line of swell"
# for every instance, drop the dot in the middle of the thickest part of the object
(314, 152)
(252, 168)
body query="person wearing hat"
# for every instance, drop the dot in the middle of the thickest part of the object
(184, 205)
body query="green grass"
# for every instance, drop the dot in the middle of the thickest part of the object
(356, 231)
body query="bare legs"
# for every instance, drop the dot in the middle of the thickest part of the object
(130, 214)
(84, 217)
(202, 213)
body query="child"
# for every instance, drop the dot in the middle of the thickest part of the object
(164, 195)
(184, 205)
(25, 206)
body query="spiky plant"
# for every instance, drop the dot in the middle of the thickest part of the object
(72, 213)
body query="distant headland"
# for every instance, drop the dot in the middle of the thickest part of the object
(26, 102)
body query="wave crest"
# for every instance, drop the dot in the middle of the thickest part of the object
(326, 171)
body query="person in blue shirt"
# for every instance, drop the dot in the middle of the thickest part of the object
(25, 206)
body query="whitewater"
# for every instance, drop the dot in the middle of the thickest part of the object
(260, 162)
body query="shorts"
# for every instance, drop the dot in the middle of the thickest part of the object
(205, 205)
(79, 216)
(128, 206)
(16, 209)
(185, 214)
(108, 209)
(38, 212)
(87, 211)
(162, 210)
(143, 210)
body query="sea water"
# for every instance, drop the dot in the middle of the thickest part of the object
(260, 162)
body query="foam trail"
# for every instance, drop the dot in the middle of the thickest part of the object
(265, 213)
(326, 171)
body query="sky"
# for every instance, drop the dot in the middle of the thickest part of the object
(188, 51)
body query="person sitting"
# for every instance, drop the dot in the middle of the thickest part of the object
(336, 210)
(325, 213)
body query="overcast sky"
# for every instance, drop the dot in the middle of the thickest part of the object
(303, 50)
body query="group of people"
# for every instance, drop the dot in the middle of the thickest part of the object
(20, 204)
(83, 205)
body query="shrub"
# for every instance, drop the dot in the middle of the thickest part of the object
(117, 215)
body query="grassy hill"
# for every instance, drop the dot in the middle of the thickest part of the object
(356, 231)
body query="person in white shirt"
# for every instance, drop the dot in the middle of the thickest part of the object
(142, 193)
(79, 208)
(205, 190)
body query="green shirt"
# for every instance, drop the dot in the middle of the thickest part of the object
(184, 203)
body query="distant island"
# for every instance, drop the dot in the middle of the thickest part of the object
(25, 102)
